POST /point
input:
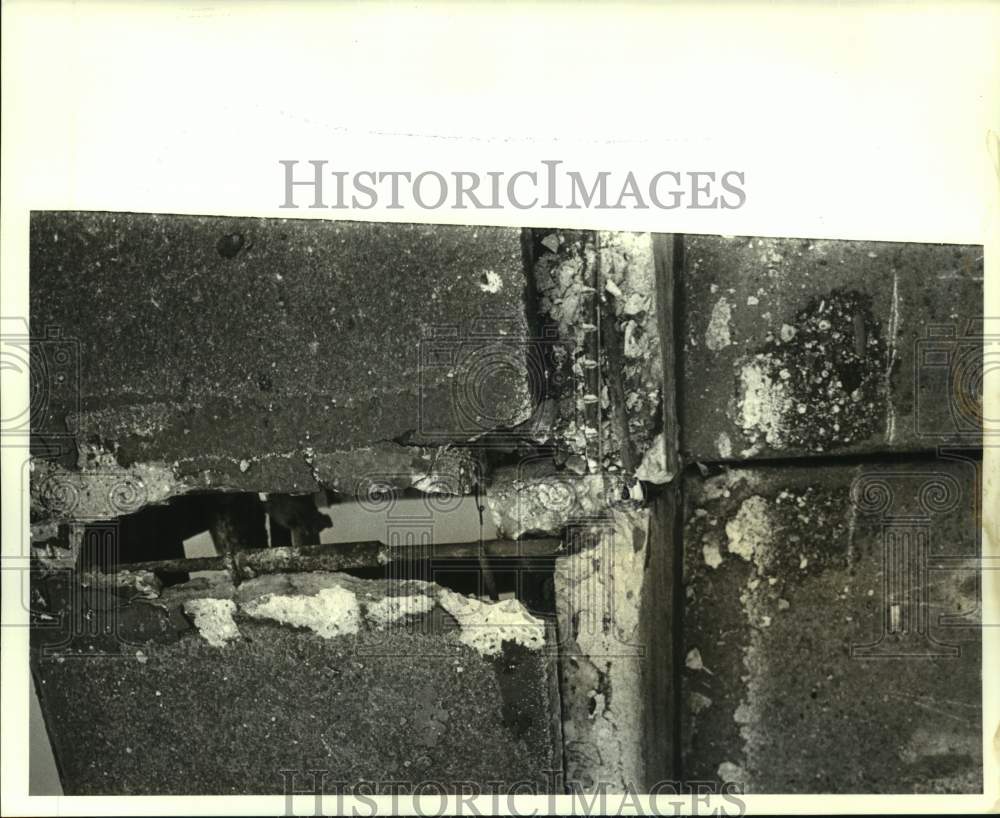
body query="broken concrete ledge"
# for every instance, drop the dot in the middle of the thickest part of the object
(532, 498)
(102, 489)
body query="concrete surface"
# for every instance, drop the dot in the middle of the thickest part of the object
(598, 605)
(240, 354)
(171, 702)
(787, 591)
(807, 347)
(223, 346)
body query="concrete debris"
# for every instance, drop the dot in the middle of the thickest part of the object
(214, 620)
(602, 286)
(486, 626)
(693, 661)
(330, 613)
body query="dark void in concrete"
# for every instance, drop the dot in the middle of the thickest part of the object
(832, 635)
(205, 343)
(207, 689)
(798, 347)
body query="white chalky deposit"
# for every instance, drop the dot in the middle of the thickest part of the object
(724, 445)
(713, 558)
(485, 626)
(491, 282)
(653, 467)
(391, 609)
(214, 620)
(694, 662)
(717, 334)
(731, 773)
(330, 613)
(763, 402)
(749, 532)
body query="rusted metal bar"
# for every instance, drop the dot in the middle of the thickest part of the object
(613, 348)
(180, 564)
(590, 360)
(347, 556)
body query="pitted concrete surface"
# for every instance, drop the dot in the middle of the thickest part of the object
(209, 690)
(204, 343)
(784, 574)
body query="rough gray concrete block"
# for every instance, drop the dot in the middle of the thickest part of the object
(832, 632)
(222, 346)
(803, 347)
(204, 688)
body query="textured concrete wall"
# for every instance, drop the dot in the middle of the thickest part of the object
(802, 626)
(824, 652)
(831, 630)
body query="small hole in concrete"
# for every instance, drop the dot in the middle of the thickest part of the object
(230, 245)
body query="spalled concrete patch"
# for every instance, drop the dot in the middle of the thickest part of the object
(597, 294)
(214, 620)
(784, 578)
(391, 609)
(331, 612)
(811, 346)
(599, 601)
(536, 497)
(821, 383)
(749, 532)
(717, 334)
(486, 626)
